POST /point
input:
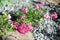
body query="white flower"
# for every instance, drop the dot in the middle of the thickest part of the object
(9, 17)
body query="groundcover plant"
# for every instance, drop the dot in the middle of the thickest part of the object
(35, 19)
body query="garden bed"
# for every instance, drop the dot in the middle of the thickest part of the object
(37, 22)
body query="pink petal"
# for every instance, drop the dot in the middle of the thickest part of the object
(54, 15)
(30, 27)
(25, 10)
(22, 29)
(22, 17)
(47, 16)
(15, 24)
(37, 6)
(42, 3)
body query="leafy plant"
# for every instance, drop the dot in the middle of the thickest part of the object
(5, 27)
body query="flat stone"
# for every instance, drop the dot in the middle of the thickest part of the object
(17, 36)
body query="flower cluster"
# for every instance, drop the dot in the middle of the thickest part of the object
(23, 28)
(53, 15)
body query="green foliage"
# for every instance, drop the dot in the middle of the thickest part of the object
(3, 3)
(32, 16)
(5, 27)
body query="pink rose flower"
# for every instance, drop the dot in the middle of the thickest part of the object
(42, 3)
(37, 6)
(54, 15)
(15, 24)
(22, 17)
(23, 29)
(25, 10)
(47, 16)
(30, 27)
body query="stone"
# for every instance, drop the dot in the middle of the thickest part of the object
(55, 2)
(17, 36)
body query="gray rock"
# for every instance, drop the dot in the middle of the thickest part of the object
(17, 36)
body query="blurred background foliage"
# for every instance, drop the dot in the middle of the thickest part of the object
(5, 2)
